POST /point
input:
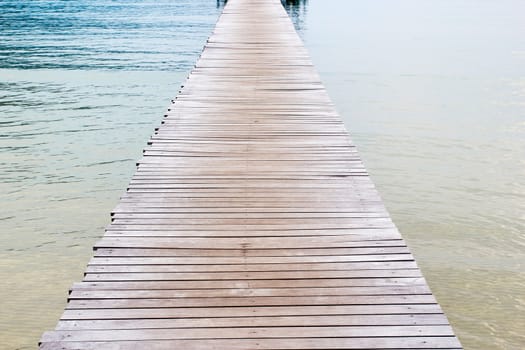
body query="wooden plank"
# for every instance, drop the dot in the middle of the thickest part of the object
(393, 343)
(267, 321)
(131, 267)
(263, 311)
(325, 254)
(249, 283)
(248, 332)
(250, 301)
(243, 260)
(345, 241)
(368, 234)
(259, 275)
(247, 292)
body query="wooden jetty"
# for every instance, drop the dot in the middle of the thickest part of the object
(251, 222)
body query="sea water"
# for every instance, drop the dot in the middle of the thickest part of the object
(432, 92)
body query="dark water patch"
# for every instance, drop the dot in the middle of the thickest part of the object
(102, 34)
(297, 10)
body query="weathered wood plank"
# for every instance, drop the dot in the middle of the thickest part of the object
(131, 267)
(248, 292)
(248, 333)
(393, 343)
(251, 301)
(263, 311)
(247, 283)
(259, 275)
(267, 321)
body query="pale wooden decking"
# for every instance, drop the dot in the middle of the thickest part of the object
(251, 222)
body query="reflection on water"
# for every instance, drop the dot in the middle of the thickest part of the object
(433, 94)
(297, 11)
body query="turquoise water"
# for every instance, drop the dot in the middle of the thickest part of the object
(433, 93)
(82, 86)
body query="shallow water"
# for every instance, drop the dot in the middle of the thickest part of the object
(82, 85)
(433, 93)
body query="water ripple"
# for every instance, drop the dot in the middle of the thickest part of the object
(82, 86)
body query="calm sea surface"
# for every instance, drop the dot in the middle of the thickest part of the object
(432, 91)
